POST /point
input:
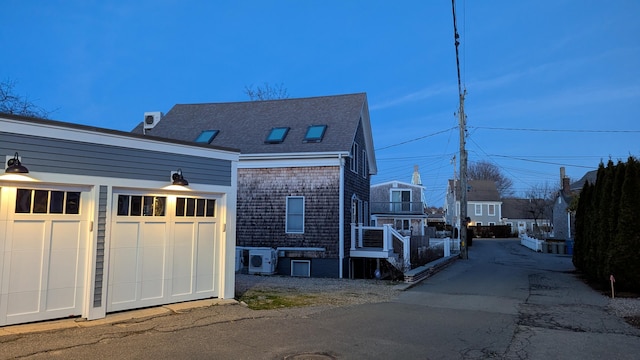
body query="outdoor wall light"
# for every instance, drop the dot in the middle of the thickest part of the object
(15, 167)
(178, 179)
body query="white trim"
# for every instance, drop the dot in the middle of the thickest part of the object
(304, 155)
(287, 163)
(308, 262)
(353, 164)
(92, 137)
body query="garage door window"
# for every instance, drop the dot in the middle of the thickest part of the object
(31, 201)
(195, 207)
(138, 205)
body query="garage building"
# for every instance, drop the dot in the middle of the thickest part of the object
(107, 221)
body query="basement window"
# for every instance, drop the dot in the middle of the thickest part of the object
(301, 268)
(207, 136)
(315, 133)
(277, 135)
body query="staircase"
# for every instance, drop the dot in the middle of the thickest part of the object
(381, 243)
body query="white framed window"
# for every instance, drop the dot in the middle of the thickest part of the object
(478, 209)
(400, 200)
(491, 211)
(35, 201)
(479, 223)
(492, 224)
(354, 158)
(295, 215)
(402, 224)
(301, 268)
(366, 212)
(365, 169)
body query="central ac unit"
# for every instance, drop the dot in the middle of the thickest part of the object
(262, 261)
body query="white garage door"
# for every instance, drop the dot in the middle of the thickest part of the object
(42, 270)
(163, 250)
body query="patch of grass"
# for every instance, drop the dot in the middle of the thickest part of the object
(267, 300)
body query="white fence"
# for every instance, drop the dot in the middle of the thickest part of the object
(450, 245)
(532, 243)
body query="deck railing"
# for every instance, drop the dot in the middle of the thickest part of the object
(400, 207)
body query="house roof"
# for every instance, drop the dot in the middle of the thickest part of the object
(246, 125)
(589, 176)
(395, 182)
(513, 208)
(98, 130)
(478, 190)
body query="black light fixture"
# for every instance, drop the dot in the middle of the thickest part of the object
(15, 167)
(178, 179)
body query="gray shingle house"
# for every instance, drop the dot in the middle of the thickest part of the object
(530, 216)
(303, 175)
(484, 206)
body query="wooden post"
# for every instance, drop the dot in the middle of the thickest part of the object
(612, 280)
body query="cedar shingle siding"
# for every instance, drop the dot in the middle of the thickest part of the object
(262, 195)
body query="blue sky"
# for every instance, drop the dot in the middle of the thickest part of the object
(545, 80)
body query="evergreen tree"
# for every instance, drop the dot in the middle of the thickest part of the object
(624, 257)
(604, 187)
(581, 242)
(613, 213)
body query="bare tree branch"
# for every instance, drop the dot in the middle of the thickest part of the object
(266, 92)
(11, 103)
(483, 170)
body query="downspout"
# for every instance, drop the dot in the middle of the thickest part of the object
(341, 216)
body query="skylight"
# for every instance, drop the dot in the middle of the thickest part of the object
(206, 137)
(277, 135)
(315, 133)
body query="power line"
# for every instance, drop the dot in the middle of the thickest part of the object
(416, 139)
(555, 130)
(544, 162)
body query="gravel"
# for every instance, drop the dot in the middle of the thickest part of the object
(625, 307)
(325, 291)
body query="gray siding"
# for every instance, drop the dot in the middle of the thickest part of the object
(100, 243)
(354, 184)
(319, 268)
(78, 158)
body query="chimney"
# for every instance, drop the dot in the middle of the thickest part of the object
(562, 174)
(566, 188)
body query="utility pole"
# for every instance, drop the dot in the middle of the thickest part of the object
(464, 254)
(463, 152)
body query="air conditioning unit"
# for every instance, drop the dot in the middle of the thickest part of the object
(262, 261)
(151, 119)
(239, 259)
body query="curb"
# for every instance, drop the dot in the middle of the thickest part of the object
(164, 310)
(419, 274)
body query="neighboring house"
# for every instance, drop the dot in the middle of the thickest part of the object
(435, 217)
(562, 218)
(401, 205)
(484, 206)
(93, 221)
(303, 173)
(525, 216)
